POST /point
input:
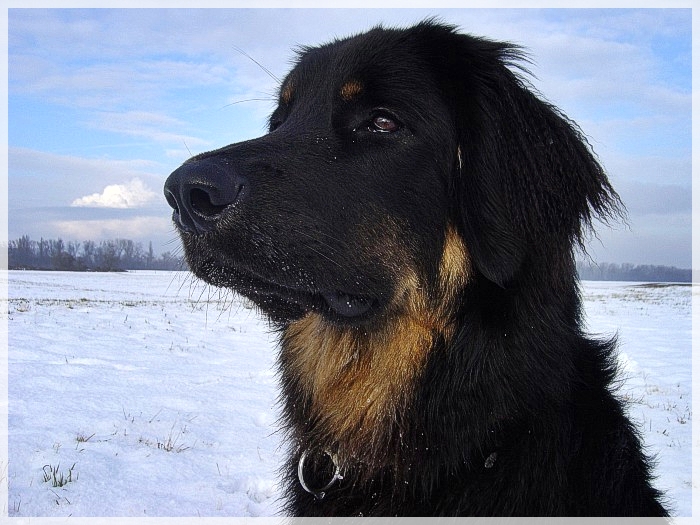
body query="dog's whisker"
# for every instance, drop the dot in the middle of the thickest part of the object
(266, 70)
(267, 99)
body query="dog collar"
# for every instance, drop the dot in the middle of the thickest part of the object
(320, 493)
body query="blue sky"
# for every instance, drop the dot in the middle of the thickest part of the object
(104, 103)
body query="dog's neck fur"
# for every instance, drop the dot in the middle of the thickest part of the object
(350, 386)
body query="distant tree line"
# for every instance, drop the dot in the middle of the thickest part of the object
(588, 271)
(124, 254)
(104, 256)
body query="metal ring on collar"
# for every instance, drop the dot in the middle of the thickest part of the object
(318, 493)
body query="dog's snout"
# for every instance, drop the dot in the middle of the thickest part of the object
(201, 190)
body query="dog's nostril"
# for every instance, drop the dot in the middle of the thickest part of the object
(200, 202)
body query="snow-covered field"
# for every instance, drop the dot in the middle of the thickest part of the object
(146, 394)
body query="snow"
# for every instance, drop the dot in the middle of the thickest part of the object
(157, 394)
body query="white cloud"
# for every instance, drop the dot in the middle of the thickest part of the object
(133, 194)
(40, 179)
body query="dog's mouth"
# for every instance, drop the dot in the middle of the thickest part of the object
(346, 305)
(335, 304)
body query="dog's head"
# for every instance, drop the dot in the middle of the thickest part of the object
(399, 164)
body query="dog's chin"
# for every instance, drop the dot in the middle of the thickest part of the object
(337, 306)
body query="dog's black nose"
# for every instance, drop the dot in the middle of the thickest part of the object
(200, 190)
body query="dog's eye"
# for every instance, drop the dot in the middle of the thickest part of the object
(384, 124)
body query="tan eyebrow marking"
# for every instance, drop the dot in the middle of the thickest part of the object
(288, 92)
(350, 90)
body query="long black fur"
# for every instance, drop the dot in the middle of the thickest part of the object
(514, 411)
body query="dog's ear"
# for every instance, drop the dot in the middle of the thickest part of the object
(527, 184)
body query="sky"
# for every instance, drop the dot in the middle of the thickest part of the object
(103, 104)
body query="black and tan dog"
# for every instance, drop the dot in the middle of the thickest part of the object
(408, 224)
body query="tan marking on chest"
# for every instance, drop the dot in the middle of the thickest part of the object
(359, 382)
